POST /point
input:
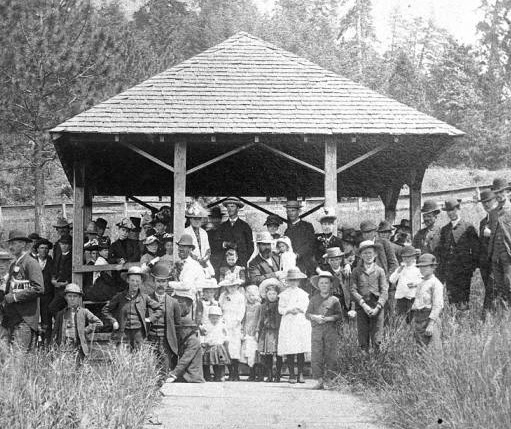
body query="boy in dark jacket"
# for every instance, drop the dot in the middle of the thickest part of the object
(130, 308)
(74, 323)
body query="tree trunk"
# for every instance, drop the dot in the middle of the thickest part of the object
(38, 169)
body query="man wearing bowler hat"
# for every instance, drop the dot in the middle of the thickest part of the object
(458, 254)
(487, 199)
(235, 232)
(192, 274)
(427, 239)
(265, 264)
(63, 228)
(301, 234)
(20, 295)
(499, 247)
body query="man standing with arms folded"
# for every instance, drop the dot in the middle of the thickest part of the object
(499, 247)
(23, 287)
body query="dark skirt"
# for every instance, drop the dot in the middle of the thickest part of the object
(216, 355)
(268, 341)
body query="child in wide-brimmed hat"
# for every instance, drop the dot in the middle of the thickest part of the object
(428, 304)
(268, 329)
(249, 354)
(295, 329)
(74, 324)
(324, 311)
(216, 346)
(232, 303)
(369, 290)
(406, 278)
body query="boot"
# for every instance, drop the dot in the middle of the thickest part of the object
(235, 367)
(207, 373)
(252, 375)
(219, 371)
(290, 361)
(231, 373)
(259, 372)
(269, 368)
(278, 371)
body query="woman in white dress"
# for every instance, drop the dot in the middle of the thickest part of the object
(295, 329)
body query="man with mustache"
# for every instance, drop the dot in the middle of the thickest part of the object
(428, 238)
(266, 264)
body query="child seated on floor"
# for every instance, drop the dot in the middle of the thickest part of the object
(216, 345)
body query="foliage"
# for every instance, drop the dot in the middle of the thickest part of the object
(46, 390)
(467, 385)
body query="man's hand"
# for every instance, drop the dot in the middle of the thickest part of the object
(9, 298)
(122, 261)
(366, 309)
(374, 311)
(430, 328)
(147, 320)
(115, 326)
(352, 314)
(347, 270)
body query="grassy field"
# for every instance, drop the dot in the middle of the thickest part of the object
(45, 390)
(467, 386)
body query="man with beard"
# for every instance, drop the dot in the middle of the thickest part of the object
(428, 238)
(265, 264)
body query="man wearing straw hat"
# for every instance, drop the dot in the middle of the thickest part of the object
(302, 237)
(427, 239)
(458, 254)
(499, 247)
(236, 232)
(489, 202)
(20, 294)
(265, 264)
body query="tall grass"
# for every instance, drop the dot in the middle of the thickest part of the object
(46, 390)
(468, 385)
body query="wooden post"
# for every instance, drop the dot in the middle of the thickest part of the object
(331, 175)
(179, 199)
(78, 221)
(390, 198)
(87, 208)
(416, 200)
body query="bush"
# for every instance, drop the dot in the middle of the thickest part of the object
(468, 385)
(46, 390)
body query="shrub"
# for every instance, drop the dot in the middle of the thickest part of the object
(46, 390)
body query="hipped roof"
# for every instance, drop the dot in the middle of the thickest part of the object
(245, 85)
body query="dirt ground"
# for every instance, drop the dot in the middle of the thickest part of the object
(231, 405)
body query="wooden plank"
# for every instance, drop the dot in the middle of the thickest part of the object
(148, 156)
(313, 210)
(416, 199)
(262, 209)
(292, 158)
(179, 199)
(218, 158)
(331, 175)
(361, 158)
(98, 268)
(143, 204)
(78, 221)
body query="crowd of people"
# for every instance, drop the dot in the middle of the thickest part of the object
(227, 299)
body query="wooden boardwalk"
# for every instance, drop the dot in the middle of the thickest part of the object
(231, 405)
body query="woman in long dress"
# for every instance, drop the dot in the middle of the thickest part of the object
(295, 329)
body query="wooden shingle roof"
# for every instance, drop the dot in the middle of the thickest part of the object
(245, 85)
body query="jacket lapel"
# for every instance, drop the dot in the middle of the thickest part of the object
(458, 231)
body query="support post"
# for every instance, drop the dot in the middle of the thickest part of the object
(390, 198)
(416, 200)
(331, 175)
(78, 221)
(179, 199)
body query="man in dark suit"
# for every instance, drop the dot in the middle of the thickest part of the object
(62, 274)
(326, 239)
(42, 248)
(63, 228)
(458, 254)
(301, 234)
(427, 239)
(236, 233)
(499, 247)
(265, 264)
(23, 287)
(124, 249)
(487, 199)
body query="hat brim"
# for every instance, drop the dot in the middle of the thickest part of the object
(426, 264)
(229, 283)
(327, 256)
(265, 284)
(70, 291)
(436, 211)
(238, 203)
(264, 242)
(125, 276)
(445, 209)
(369, 246)
(297, 277)
(25, 239)
(505, 188)
(325, 218)
(161, 277)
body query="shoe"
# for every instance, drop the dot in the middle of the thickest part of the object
(300, 379)
(292, 379)
(276, 379)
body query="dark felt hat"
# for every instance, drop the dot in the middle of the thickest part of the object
(486, 196)
(62, 223)
(293, 204)
(426, 260)
(17, 235)
(273, 220)
(136, 222)
(404, 223)
(160, 271)
(409, 251)
(500, 184)
(430, 206)
(34, 236)
(101, 223)
(385, 226)
(367, 226)
(451, 204)
(186, 240)
(66, 239)
(216, 213)
(45, 242)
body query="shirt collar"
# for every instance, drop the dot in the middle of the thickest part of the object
(455, 223)
(233, 220)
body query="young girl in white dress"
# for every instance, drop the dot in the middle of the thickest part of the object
(295, 329)
(285, 251)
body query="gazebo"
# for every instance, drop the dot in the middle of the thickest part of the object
(246, 118)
